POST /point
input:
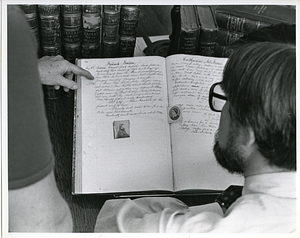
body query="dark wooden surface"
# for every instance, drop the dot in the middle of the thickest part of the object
(154, 20)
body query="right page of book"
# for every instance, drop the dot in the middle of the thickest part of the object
(189, 81)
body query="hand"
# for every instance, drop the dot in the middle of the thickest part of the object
(55, 70)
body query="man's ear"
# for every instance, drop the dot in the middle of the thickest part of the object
(248, 137)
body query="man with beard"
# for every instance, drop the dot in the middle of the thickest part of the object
(256, 138)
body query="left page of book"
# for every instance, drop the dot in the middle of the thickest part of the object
(122, 133)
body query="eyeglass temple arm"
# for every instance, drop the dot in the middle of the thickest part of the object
(219, 96)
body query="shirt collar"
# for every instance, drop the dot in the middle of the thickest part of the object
(282, 184)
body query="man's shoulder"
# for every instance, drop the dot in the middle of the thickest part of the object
(14, 11)
(16, 18)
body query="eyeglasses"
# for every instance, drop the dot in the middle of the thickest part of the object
(217, 98)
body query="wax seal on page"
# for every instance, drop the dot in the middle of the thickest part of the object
(175, 114)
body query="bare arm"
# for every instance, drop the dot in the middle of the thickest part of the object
(39, 208)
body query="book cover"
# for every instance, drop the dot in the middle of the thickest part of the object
(143, 125)
(126, 46)
(71, 31)
(50, 29)
(174, 36)
(129, 19)
(110, 31)
(110, 48)
(91, 30)
(208, 30)
(32, 18)
(245, 18)
(111, 23)
(189, 31)
(225, 37)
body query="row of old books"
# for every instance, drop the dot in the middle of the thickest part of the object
(194, 30)
(84, 31)
(236, 21)
(209, 30)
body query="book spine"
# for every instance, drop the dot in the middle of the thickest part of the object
(222, 51)
(129, 18)
(49, 16)
(110, 30)
(126, 46)
(207, 48)
(50, 39)
(174, 36)
(32, 18)
(225, 37)
(71, 31)
(111, 23)
(188, 42)
(238, 23)
(271, 14)
(113, 8)
(110, 49)
(189, 33)
(91, 29)
(208, 31)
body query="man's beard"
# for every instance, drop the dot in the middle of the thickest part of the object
(231, 157)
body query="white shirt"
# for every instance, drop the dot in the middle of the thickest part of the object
(267, 204)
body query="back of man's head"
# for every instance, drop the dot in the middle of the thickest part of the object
(260, 83)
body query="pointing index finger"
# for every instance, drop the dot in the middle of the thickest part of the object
(79, 71)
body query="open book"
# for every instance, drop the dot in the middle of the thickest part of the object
(144, 125)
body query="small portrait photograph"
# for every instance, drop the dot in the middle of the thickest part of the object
(121, 129)
(174, 113)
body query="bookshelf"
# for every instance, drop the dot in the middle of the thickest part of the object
(107, 31)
